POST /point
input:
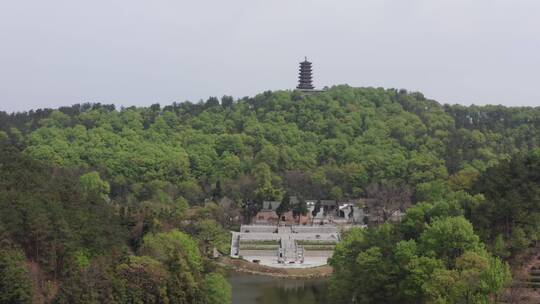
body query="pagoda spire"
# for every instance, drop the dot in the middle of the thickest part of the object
(305, 78)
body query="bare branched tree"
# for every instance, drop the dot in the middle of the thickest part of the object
(388, 197)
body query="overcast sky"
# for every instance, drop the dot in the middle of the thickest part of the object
(139, 52)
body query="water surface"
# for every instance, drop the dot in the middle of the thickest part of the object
(255, 289)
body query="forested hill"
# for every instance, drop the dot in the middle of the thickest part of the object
(324, 145)
(99, 205)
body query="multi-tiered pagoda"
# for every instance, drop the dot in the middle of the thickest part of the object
(305, 79)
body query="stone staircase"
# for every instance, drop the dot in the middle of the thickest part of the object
(300, 253)
(285, 229)
(290, 251)
(235, 244)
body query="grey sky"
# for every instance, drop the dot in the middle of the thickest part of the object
(138, 52)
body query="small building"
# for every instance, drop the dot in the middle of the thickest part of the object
(345, 210)
(359, 216)
(265, 217)
(288, 218)
(268, 215)
(329, 205)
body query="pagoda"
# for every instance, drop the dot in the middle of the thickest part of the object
(304, 78)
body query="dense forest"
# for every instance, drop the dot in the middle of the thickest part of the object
(64, 241)
(449, 248)
(123, 205)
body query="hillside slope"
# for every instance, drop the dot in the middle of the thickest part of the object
(326, 145)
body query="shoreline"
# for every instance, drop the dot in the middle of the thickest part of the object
(243, 266)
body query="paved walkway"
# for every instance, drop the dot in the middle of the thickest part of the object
(272, 262)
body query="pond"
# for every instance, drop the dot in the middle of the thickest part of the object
(255, 289)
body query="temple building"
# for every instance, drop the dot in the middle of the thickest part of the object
(305, 78)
